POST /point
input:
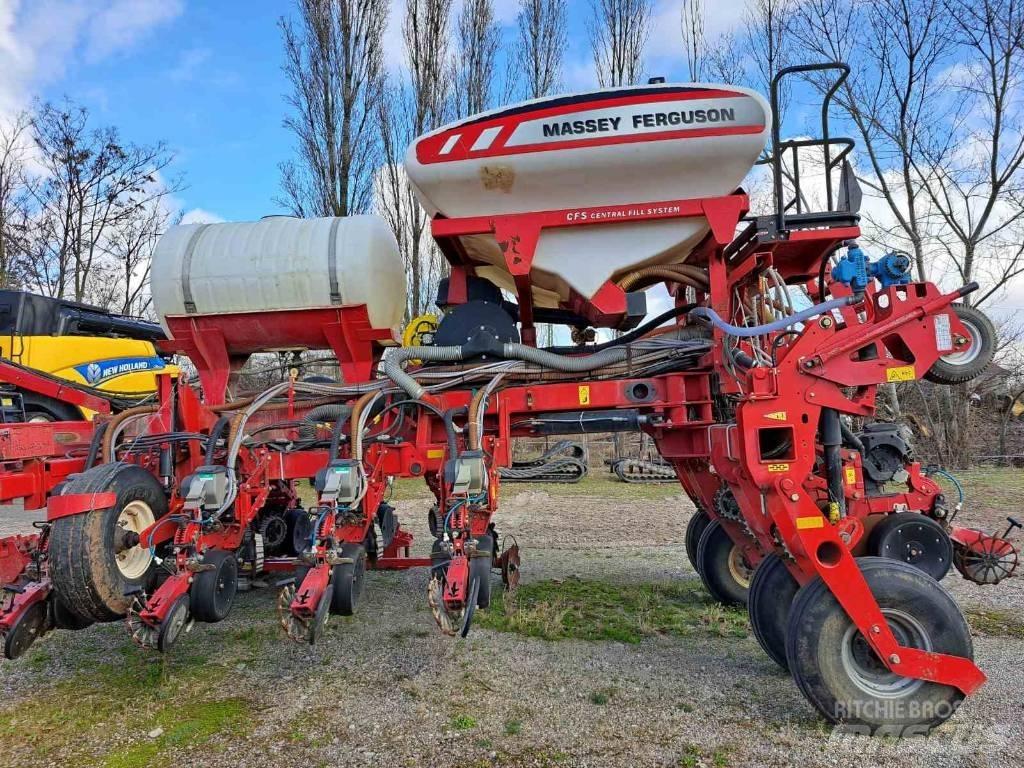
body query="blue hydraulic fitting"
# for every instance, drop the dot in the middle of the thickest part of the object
(856, 271)
(852, 269)
(892, 269)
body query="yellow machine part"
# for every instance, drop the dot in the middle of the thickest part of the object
(108, 364)
(417, 328)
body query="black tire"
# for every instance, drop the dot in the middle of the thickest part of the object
(43, 408)
(213, 591)
(959, 367)
(718, 566)
(348, 580)
(276, 532)
(841, 676)
(771, 595)
(301, 525)
(698, 522)
(63, 617)
(83, 548)
(480, 569)
(913, 538)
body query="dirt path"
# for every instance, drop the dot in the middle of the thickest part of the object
(386, 688)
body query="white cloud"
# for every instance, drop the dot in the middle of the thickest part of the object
(199, 216)
(40, 39)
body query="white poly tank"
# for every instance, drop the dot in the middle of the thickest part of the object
(280, 262)
(624, 146)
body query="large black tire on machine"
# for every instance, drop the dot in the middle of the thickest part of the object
(95, 558)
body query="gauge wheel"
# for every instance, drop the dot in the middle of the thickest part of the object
(348, 580)
(844, 679)
(771, 595)
(29, 626)
(214, 588)
(698, 522)
(959, 367)
(173, 624)
(722, 566)
(65, 618)
(480, 569)
(95, 557)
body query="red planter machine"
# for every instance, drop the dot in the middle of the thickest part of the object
(156, 512)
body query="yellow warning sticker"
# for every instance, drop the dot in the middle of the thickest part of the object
(584, 395)
(435, 453)
(851, 476)
(776, 416)
(778, 467)
(803, 523)
(900, 373)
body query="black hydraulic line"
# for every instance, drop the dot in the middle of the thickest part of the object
(830, 428)
(336, 434)
(215, 434)
(851, 439)
(449, 428)
(94, 445)
(633, 335)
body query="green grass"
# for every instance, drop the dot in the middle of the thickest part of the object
(463, 722)
(995, 622)
(103, 715)
(192, 723)
(597, 610)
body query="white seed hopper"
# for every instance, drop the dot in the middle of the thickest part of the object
(624, 146)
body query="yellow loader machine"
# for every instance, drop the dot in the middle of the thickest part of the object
(75, 345)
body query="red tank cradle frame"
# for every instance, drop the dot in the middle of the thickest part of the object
(778, 496)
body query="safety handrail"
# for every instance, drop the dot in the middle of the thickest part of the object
(826, 141)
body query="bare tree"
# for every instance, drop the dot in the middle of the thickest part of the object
(479, 44)
(412, 107)
(723, 60)
(894, 95)
(691, 22)
(130, 248)
(542, 42)
(92, 184)
(334, 61)
(618, 34)
(972, 173)
(14, 214)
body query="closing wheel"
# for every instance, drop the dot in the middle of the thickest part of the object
(698, 522)
(173, 624)
(966, 364)
(842, 677)
(772, 590)
(348, 579)
(95, 557)
(319, 621)
(722, 566)
(911, 537)
(213, 590)
(29, 626)
(480, 569)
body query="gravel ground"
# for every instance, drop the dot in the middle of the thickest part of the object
(385, 687)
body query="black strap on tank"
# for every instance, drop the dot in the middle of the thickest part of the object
(332, 261)
(186, 270)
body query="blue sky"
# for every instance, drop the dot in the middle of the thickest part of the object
(205, 77)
